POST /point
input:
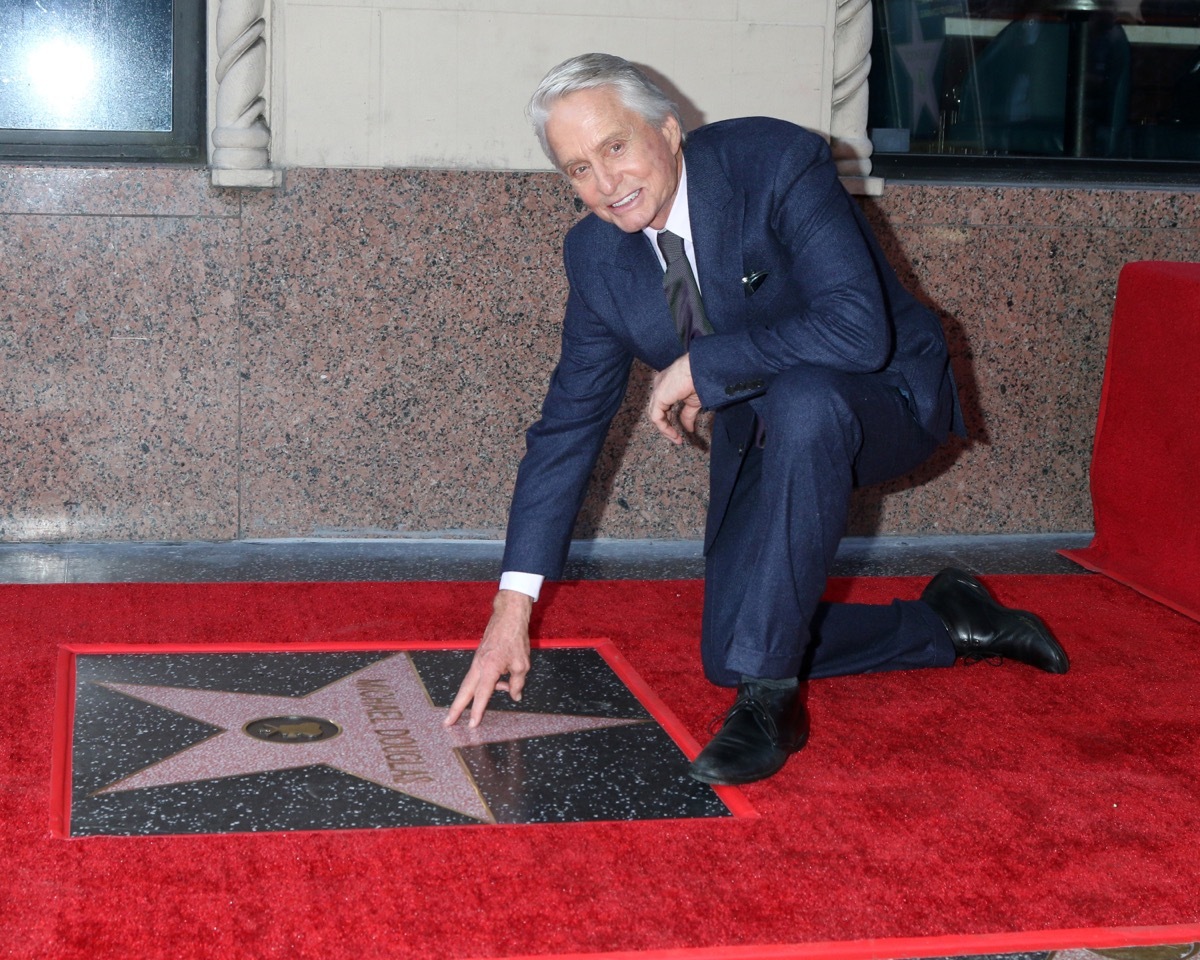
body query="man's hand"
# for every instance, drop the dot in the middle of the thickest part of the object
(673, 386)
(504, 650)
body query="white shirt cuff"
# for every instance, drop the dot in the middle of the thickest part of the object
(529, 584)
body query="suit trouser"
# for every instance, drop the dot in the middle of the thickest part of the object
(766, 569)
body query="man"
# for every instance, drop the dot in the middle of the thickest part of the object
(738, 268)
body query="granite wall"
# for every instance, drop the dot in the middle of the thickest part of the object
(357, 354)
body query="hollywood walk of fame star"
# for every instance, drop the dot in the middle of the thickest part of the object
(920, 57)
(390, 734)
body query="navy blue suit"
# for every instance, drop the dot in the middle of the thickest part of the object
(847, 371)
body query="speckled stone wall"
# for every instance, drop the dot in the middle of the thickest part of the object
(1024, 280)
(119, 336)
(358, 353)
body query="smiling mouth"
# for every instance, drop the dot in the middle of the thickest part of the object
(627, 201)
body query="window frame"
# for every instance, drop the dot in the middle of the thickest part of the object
(184, 143)
(993, 169)
(1036, 171)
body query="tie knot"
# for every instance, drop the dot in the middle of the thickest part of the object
(671, 246)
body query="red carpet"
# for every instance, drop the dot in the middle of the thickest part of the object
(991, 806)
(1146, 459)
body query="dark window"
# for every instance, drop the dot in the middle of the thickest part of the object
(102, 79)
(1036, 88)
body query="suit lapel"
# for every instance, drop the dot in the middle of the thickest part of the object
(716, 219)
(634, 280)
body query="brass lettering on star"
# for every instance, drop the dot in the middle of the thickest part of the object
(399, 746)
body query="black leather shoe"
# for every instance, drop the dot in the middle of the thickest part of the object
(980, 627)
(761, 729)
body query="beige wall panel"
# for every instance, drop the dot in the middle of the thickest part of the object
(816, 13)
(625, 9)
(419, 96)
(454, 85)
(330, 89)
(775, 71)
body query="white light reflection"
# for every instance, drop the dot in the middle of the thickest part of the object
(62, 73)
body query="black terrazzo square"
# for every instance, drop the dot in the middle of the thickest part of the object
(199, 740)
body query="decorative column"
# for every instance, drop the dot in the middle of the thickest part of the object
(240, 136)
(848, 124)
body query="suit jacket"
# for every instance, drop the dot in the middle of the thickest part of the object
(764, 203)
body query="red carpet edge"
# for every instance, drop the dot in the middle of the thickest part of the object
(1090, 559)
(912, 948)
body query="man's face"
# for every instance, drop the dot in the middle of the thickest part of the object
(625, 169)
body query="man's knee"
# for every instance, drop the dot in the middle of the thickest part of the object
(807, 405)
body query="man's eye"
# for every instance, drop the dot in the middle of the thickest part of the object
(577, 172)
(616, 148)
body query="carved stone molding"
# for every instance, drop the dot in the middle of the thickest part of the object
(241, 139)
(848, 124)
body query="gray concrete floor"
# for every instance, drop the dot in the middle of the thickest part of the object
(396, 559)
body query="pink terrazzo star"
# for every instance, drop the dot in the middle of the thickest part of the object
(391, 734)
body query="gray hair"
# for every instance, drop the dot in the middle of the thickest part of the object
(590, 70)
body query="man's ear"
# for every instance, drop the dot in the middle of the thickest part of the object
(672, 132)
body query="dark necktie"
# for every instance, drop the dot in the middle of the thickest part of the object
(687, 306)
(683, 294)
